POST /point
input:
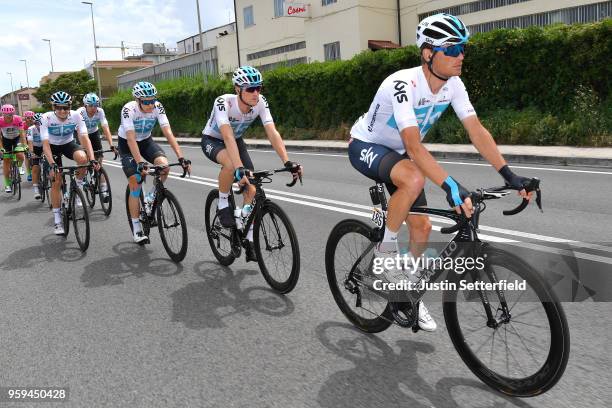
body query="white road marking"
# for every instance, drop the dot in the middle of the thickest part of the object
(302, 200)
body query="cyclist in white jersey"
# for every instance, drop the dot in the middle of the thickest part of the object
(386, 141)
(136, 145)
(57, 134)
(94, 117)
(222, 141)
(35, 145)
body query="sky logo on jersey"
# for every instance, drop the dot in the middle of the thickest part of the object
(421, 115)
(62, 130)
(368, 156)
(144, 126)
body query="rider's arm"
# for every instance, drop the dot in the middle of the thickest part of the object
(22, 138)
(29, 139)
(411, 137)
(483, 141)
(231, 146)
(277, 142)
(164, 124)
(47, 151)
(83, 137)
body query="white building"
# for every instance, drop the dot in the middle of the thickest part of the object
(277, 32)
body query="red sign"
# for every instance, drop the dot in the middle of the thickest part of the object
(296, 10)
(24, 97)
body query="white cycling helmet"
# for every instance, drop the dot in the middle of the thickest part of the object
(440, 30)
(144, 89)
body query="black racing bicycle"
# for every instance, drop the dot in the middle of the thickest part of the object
(93, 180)
(275, 241)
(45, 181)
(517, 342)
(165, 212)
(73, 206)
(14, 175)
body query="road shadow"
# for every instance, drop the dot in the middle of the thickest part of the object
(32, 207)
(382, 377)
(209, 303)
(130, 260)
(53, 248)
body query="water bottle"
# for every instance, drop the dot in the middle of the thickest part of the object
(238, 217)
(246, 211)
(66, 197)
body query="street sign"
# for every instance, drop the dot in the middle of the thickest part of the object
(292, 9)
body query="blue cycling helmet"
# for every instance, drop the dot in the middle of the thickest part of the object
(247, 76)
(38, 118)
(441, 30)
(91, 99)
(143, 89)
(61, 98)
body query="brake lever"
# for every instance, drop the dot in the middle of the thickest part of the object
(534, 185)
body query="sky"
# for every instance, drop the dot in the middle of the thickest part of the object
(67, 23)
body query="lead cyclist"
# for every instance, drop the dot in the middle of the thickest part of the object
(386, 143)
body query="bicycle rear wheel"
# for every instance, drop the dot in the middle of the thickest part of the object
(521, 354)
(219, 238)
(171, 226)
(106, 197)
(276, 245)
(144, 220)
(66, 212)
(16, 182)
(348, 263)
(80, 219)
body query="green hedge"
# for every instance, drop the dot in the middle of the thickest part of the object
(538, 85)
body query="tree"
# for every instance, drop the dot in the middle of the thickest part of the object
(76, 84)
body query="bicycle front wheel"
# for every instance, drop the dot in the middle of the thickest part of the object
(80, 219)
(522, 352)
(172, 227)
(219, 238)
(349, 259)
(277, 249)
(106, 198)
(89, 189)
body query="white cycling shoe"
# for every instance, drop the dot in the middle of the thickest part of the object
(8, 190)
(58, 229)
(426, 322)
(140, 238)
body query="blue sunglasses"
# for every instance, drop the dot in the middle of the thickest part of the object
(452, 50)
(148, 102)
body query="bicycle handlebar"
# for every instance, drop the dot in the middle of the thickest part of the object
(154, 170)
(495, 193)
(107, 151)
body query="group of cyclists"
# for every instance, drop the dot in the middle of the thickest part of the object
(385, 143)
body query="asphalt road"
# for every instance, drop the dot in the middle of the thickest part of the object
(122, 325)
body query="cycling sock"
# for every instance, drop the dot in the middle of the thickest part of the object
(57, 216)
(103, 187)
(136, 225)
(7, 181)
(223, 200)
(389, 242)
(250, 234)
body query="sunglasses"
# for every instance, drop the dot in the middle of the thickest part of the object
(452, 50)
(252, 89)
(147, 102)
(60, 108)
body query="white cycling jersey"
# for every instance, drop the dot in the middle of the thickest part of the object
(33, 135)
(132, 118)
(226, 111)
(60, 132)
(404, 99)
(92, 122)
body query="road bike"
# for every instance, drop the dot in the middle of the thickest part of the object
(163, 211)
(529, 326)
(93, 179)
(73, 206)
(274, 237)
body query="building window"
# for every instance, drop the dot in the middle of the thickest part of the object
(278, 50)
(332, 51)
(278, 8)
(580, 14)
(248, 17)
(328, 2)
(472, 7)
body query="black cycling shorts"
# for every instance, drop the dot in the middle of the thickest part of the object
(376, 161)
(149, 150)
(67, 150)
(211, 146)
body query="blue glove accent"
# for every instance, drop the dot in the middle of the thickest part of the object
(136, 193)
(454, 190)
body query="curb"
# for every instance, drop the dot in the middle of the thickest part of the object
(472, 156)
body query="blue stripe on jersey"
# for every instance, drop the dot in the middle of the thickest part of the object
(421, 113)
(391, 122)
(62, 130)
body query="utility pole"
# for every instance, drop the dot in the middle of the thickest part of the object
(201, 41)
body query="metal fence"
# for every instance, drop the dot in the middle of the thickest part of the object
(186, 66)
